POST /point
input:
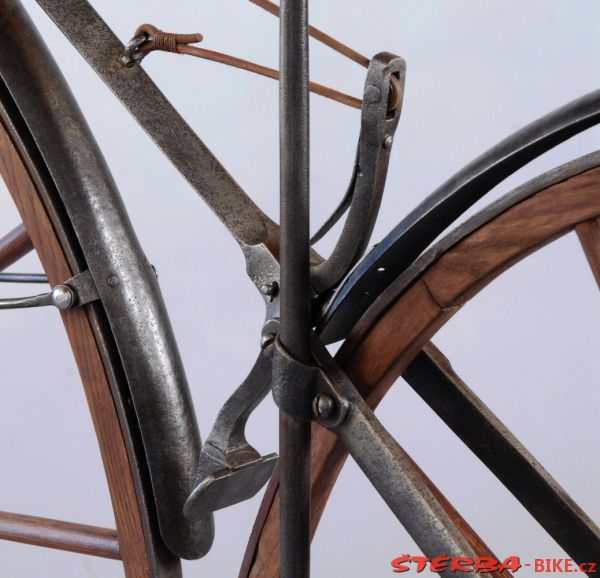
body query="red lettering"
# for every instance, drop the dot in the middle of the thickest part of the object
(461, 564)
(591, 567)
(486, 565)
(421, 562)
(513, 563)
(399, 564)
(557, 565)
(569, 566)
(538, 565)
(439, 564)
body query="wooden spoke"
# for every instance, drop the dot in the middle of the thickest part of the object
(14, 246)
(432, 377)
(60, 535)
(589, 237)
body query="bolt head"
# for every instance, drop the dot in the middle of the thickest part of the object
(62, 297)
(270, 289)
(323, 406)
(387, 143)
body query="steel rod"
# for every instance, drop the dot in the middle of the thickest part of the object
(23, 278)
(79, 538)
(294, 444)
(319, 35)
(13, 246)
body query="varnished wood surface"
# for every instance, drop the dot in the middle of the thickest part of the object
(89, 362)
(589, 237)
(380, 349)
(67, 536)
(13, 246)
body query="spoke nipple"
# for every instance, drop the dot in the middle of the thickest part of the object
(62, 297)
(112, 280)
(270, 289)
(323, 406)
(387, 143)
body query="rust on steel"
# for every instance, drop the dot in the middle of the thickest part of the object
(67, 536)
(181, 44)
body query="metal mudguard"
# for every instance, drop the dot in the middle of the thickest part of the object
(125, 280)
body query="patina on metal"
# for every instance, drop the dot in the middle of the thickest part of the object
(230, 470)
(363, 198)
(295, 294)
(156, 384)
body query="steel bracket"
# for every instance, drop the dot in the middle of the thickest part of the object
(75, 292)
(317, 394)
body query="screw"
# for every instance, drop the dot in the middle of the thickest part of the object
(62, 297)
(323, 406)
(387, 143)
(112, 280)
(270, 290)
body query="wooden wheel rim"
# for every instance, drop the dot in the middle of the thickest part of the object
(79, 327)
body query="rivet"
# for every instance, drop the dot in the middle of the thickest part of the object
(112, 280)
(322, 406)
(387, 143)
(372, 94)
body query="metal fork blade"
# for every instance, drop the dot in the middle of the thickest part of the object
(434, 524)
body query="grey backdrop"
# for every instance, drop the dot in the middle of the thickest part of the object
(528, 345)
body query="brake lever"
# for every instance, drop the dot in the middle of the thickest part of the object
(380, 113)
(230, 470)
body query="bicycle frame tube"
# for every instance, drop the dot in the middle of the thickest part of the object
(294, 433)
(96, 42)
(125, 280)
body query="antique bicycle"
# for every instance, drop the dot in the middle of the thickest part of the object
(386, 306)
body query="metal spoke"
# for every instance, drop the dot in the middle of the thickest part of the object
(589, 237)
(14, 246)
(23, 278)
(432, 377)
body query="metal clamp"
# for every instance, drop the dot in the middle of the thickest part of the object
(317, 394)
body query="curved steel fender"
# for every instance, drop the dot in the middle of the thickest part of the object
(415, 233)
(125, 280)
